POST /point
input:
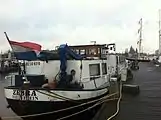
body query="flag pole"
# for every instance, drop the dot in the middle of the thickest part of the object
(6, 36)
(23, 72)
(10, 45)
(8, 40)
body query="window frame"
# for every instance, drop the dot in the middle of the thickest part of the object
(95, 76)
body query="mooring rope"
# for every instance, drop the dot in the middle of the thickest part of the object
(46, 113)
(98, 103)
(55, 95)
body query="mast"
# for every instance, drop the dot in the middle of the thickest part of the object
(140, 37)
(159, 33)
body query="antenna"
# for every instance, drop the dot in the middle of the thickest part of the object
(94, 42)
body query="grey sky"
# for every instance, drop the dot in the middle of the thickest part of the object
(54, 22)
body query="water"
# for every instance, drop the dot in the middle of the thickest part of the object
(146, 105)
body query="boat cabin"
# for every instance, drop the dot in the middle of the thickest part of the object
(92, 71)
(96, 51)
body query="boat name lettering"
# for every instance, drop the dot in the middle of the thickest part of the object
(32, 63)
(24, 95)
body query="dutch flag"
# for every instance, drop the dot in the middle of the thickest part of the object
(25, 47)
(25, 50)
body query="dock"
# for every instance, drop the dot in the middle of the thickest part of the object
(144, 106)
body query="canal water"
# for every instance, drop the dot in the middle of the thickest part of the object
(146, 105)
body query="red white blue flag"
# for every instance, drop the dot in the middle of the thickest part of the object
(25, 46)
(24, 50)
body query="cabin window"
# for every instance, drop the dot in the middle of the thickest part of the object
(82, 52)
(104, 69)
(86, 51)
(94, 69)
(77, 51)
(98, 50)
(90, 52)
(93, 51)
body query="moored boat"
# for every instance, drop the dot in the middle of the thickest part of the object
(69, 85)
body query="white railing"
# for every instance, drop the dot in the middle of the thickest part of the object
(96, 76)
(96, 81)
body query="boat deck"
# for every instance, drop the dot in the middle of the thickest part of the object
(146, 105)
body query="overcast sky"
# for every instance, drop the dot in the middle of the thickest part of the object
(54, 22)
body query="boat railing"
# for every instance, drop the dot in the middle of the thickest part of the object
(96, 79)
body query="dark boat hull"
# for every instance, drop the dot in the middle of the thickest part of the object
(22, 108)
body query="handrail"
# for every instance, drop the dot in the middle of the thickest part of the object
(106, 77)
(93, 76)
